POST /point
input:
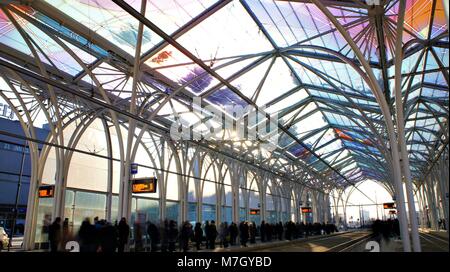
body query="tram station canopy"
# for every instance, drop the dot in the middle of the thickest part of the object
(289, 57)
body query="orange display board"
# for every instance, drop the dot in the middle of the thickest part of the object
(144, 185)
(46, 191)
(306, 210)
(390, 205)
(255, 211)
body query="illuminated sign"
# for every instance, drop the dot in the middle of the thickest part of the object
(390, 205)
(46, 191)
(144, 185)
(306, 210)
(254, 211)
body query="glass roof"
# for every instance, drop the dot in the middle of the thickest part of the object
(284, 56)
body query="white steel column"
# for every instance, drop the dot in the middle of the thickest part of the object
(125, 185)
(372, 81)
(401, 127)
(443, 179)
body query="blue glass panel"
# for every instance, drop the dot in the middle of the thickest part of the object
(242, 214)
(208, 212)
(192, 213)
(172, 210)
(271, 216)
(150, 208)
(227, 214)
(226, 97)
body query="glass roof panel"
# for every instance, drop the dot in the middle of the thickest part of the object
(110, 21)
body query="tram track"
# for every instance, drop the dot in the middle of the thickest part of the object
(334, 243)
(435, 241)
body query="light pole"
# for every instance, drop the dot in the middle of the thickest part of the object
(16, 204)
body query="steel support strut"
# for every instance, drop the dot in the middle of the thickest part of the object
(389, 125)
(401, 128)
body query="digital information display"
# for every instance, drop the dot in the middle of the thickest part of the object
(46, 191)
(144, 185)
(306, 210)
(390, 205)
(255, 211)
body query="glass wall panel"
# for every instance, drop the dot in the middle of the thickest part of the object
(192, 197)
(242, 214)
(88, 205)
(115, 208)
(69, 206)
(149, 207)
(192, 213)
(172, 210)
(227, 214)
(172, 187)
(44, 219)
(88, 172)
(254, 218)
(208, 212)
(271, 216)
(209, 193)
(133, 210)
(285, 216)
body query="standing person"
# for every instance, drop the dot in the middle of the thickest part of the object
(86, 236)
(164, 235)
(173, 235)
(262, 231)
(124, 234)
(224, 234)
(198, 235)
(279, 229)
(54, 234)
(207, 233)
(66, 233)
(269, 232)
(108, 237)
(233, 230)
(252, 232)
(185, 236)
(138, 244)
(243, 232)
(153, 233)
(212, 235)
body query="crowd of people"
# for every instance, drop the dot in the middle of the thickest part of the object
(102, 236)
(386, 228)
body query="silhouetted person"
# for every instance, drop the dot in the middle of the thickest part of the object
(223, 234)
(172, 235)
(108, 237)
(262, 231)
(233, 230)
(153, 233)
(279, 230)
(164, 235)
(186, 235)
(243, 233)
(207, 231)
(252, 232)
(124, 234)
(198, 235)
(138, 243)
(86, 236)
(66, 233)
(212, 235)
(54, 234)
